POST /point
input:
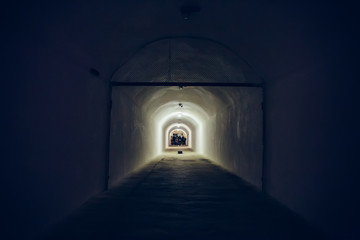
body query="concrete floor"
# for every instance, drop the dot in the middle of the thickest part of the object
(183, 196)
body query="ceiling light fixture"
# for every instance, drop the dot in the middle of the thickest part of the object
(188, 9)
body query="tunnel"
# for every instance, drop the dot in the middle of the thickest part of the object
(185, 118)
(224, 123)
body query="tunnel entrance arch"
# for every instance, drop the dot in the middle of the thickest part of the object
(180, 129)
(178, 138)
(167, 72)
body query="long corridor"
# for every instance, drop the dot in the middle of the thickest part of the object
(183, 196)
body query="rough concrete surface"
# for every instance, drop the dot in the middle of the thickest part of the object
(183, 196)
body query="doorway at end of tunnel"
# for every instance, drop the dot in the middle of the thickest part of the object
(178, 137)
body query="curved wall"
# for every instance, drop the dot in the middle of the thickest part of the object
(225, 123)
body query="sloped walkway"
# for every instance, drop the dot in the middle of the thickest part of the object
(183, 197)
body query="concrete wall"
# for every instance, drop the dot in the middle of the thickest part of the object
(312, 137)
(129, 135)
(55, 151)
(237, 137)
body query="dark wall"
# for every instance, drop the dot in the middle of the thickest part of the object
(56, 127)
(312, 128)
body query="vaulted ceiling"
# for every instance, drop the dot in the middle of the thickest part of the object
(278, 39)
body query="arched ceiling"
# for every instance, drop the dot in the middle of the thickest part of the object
(185, 59)
(276, 38)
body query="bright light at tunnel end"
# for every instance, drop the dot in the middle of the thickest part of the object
(177, 126)
(194, 114)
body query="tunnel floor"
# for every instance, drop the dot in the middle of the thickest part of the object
(183, 196)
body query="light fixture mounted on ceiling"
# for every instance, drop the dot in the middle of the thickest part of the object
(188, 9)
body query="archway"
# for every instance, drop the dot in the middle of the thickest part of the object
(195, 82)
(178, 138)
